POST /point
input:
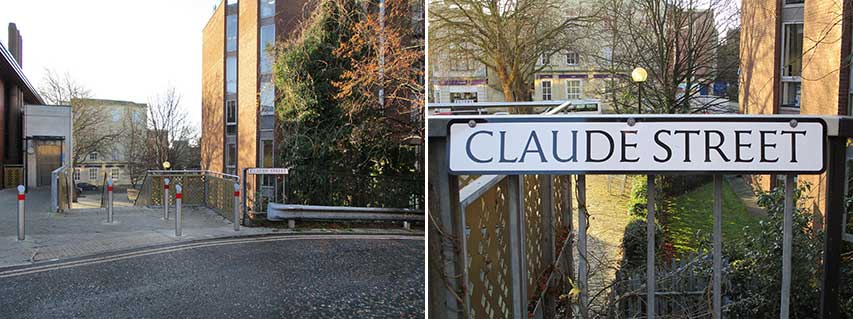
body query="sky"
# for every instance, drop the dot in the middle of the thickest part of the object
(119, 49)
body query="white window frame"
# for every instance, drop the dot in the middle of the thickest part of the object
(93, 173)
(784, 78)
(580, 89)
(89, 157)
(115, 173)
(792, 5)
(550, 95)
(76, 174)
(437, 96)
(544, 59)
(577, 58)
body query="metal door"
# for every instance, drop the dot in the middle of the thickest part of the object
(48, 158)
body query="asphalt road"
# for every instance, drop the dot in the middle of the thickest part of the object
(315, 278)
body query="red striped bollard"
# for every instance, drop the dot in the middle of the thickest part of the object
(110, 201)
(236, 207)
(21, 198)
(165, 199)
(178, 199)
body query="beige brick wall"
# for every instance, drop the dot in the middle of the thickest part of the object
(247, 85)
(213, 90)
(821, 65)
(758, 71)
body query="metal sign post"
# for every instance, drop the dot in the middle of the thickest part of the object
(260, 171)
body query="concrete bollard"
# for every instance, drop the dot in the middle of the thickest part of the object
(291, 224)
(21, 217)
(407, 225)
(165, 199)
(178, 200)
(236, 207)
(110, 200)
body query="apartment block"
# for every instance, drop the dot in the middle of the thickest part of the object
(795, 59)
(238, 95)
(124, 119)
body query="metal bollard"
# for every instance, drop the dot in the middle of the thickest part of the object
(407, 225)
(178, 196)
(165, 199)
(21, 197)
(236, 207)
(110, 200)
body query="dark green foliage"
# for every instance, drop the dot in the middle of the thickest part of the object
(756, 263)
(334, 160)
(634, 245)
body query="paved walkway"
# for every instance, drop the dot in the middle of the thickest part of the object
(747, 195)
(81, 232)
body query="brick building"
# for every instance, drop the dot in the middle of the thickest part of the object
(15, 92)
(238, 96)
(794, 59)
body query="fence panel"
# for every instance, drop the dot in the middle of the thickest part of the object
(487, 229)
(536, 263)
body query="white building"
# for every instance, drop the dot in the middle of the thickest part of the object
(48, 132)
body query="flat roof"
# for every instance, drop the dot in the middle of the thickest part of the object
(10, 70)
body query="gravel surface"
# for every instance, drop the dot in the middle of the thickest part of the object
(341, 278)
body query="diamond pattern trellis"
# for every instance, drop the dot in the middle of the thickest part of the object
(536, 264)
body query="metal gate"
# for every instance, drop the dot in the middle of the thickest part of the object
(48, 158)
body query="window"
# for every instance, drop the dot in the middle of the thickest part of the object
(544, 59)
(93, 156)
(787, 2)
(437, 96)
(231, 75)
(267, 8)
(116, 156)
(267, 41)
(93, 174)
(267, 98)
(573, 89)
(572, 58)
(137, 117)
(546, 90)
(231, 112)
(792, 58)
(463, 97)
(460, 61)
(231, 155)
(792, 64)
(231, 33)
(76, 174)
(116, 114)
(115, 173)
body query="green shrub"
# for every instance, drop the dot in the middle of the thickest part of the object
(634, 245)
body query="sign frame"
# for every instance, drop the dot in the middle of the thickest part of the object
(637, 119)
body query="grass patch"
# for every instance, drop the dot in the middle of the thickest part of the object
(692, 217)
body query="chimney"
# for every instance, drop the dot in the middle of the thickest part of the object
(15, 42)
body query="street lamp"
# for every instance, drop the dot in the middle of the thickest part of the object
(166, 165)
(639, 75)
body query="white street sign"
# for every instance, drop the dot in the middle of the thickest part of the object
(609, 144)
(269, 171)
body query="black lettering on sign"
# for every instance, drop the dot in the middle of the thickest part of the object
(794, 143)
(708, 146)
(534, 139)
(687, 142)
(765, 145)
(589, 146)
(574, 157)
(468, 147)
(738, 145)
(625, 145)
(663, 146)
(503, 150)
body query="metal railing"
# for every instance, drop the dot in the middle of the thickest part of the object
(492, 240)
(200, 188)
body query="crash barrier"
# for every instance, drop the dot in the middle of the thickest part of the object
(501, 231)
(61, 189)
(200, 188)
(280, 212)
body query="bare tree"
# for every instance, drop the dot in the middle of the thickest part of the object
(676, 41)
(507, 37)
(91, 134)
(169, 132)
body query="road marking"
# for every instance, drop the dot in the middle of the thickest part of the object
(163, 250)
